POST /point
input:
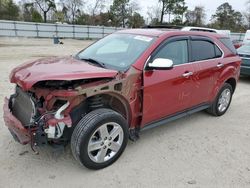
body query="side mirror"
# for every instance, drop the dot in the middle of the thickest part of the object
(161, 64)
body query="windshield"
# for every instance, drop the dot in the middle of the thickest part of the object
(117, 51)
(244, 49)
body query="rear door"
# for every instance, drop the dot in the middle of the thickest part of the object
(167, 92)
(207, 60)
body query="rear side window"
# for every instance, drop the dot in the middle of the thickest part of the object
(228, 43)
(203, 50)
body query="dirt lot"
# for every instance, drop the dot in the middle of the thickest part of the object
(197, 151)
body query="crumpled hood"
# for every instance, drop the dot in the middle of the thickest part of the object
(54, 68)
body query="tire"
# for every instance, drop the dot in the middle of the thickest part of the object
(99, 138)
(217, 109)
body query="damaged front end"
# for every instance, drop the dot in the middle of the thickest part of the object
(39, 118)
(48, 111)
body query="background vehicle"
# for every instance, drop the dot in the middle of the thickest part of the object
(237, 43)
(224, 32)
(244, 53)
(247, 37)
(191, 28)
(204, 29)
(127, 82)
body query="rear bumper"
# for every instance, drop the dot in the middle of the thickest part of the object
(245, 70)
(18, 131)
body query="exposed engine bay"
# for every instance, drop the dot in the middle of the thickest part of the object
(43, 127)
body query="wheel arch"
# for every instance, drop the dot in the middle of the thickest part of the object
(232, 81)
(116, 102)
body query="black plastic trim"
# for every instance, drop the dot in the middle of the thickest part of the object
(176, 116)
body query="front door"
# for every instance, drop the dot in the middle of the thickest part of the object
(167, 92)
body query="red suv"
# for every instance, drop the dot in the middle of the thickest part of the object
(125, 83)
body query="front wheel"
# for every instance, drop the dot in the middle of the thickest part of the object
(99, 138)
(222, 101)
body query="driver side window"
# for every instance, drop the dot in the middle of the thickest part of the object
(177, 51)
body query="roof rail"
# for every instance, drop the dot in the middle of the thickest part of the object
(163, 26)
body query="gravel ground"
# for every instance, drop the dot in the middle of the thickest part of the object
(196, 151)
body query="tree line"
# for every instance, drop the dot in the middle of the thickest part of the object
(124, 13)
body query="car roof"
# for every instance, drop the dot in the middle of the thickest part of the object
(160, 32)
(148, 32)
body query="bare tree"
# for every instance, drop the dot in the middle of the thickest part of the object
(247, 18)
(73, 8)
(167, 8)
(247, 13)
(97, 6)
(134, 6)
(94, 9)
(154, 14)
(45, 6)
(196, 17)
(119, 12)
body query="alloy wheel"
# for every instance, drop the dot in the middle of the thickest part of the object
(224, 100)
(105, 142)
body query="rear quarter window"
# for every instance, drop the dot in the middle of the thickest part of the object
(228, 43)
(218, 52)
(202, 50)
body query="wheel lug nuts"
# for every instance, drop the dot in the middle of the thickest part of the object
(110, 138)
(109, 144)
(102, 144)
(105, 138)
(104, 147)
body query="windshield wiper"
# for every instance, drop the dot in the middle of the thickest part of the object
(93, 61)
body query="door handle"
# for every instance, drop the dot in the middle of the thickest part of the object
(220, 65)
(187, 74)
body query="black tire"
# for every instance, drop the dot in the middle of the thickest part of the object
(83, 134)
(214, 108)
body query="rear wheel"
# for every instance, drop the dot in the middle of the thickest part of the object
(222, 101)
(99, 138)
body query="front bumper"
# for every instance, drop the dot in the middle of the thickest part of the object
(18, 131)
